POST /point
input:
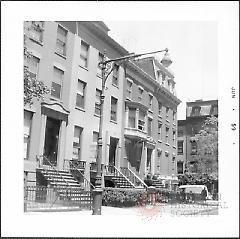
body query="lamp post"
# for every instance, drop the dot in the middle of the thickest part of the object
(107, 67)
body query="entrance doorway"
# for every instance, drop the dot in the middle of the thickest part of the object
(51, 140)
(113, 151)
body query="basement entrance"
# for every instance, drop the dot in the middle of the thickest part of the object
(51, 140)
(113, 151)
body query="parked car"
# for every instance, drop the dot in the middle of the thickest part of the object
(195, 191)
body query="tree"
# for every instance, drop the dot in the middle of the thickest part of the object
(33, 88)
(207, 148)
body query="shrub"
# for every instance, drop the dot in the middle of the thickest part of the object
(118, 197)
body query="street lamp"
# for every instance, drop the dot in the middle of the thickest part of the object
(107, 68)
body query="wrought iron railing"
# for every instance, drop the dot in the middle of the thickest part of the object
(70, 166)
(79, 164)
(93, 167)
(137, 181)
(113, 171)
(42, 197)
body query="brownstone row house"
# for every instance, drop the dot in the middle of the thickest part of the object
(139, 115)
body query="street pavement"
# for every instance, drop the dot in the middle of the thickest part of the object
(209, 208)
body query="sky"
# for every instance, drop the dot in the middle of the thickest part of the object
(192, 47)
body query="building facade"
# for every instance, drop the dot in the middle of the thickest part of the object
(140, 106)
(196, 113)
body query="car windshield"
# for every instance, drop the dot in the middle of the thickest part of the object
(197, 190)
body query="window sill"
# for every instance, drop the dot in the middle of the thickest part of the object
(59, 54)
(56, 99)
(83, 67)
(167, 144)
(159, 141)
(179, 153)
(129, 99)
(159, 116)
(113, 121)
(167, 121)
(36, 41)
(174, 147)
(97, 115)
(78, 108)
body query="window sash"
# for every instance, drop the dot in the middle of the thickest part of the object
(131, 118)
(58, 75)
(84, 54)
(56, 90)
(141, 124)
(77, 142)
(61, 47)
(114, 109)
(80, 100)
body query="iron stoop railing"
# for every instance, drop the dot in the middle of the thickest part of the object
(72, 167)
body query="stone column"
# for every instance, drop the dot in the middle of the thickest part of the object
(42, 134)
(136, 118)
(126, 115)
(143, 161)
(61, 145)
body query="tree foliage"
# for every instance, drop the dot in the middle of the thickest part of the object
(207, 148)
(33, 88)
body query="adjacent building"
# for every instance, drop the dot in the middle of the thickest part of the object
(196, 113)
(140, 107)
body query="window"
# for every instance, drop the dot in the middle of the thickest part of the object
(150, 105)
(57, 83)
(141, 121)
(214, 110)
(167, 111)
(77, 142)
(95, 137)
(80, 94)
(159, 107)
(98, 102)
(180, 131)
(174, 137)
(115, 75)
(131, 117)
(180, 147)
(140, 94)
(167, 132)
(129, 89)
(180, 167)
(61, 41)
(84, 54)
(193, 147)
(196, 111)
(27, 131)
(114, 109)
(149, 127)
(100, 59)
(159, 131)
(33, 66)
(36, 31)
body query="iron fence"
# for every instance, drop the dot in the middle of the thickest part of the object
(42, 197)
